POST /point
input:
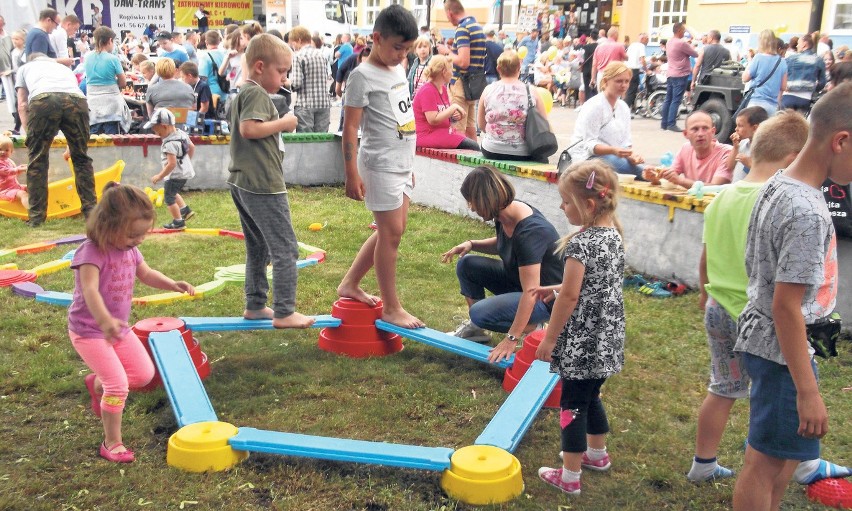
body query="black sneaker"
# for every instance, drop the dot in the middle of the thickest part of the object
(175, 225)
(34, 223)
(186, 213)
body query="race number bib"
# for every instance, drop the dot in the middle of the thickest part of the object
(400, 102)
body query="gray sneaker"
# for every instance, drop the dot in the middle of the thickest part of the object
(471, 332)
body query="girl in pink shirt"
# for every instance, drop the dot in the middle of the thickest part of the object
(10, 188)
(105, 268)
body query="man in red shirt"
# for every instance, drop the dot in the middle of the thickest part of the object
(678, 52)
(608, 50)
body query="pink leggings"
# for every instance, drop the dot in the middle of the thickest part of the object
(119, 365)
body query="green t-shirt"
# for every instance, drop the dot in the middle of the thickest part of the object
(725, 229)
(256, 163)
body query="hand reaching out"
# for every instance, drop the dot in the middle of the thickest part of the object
(184, 287)
(460, 250)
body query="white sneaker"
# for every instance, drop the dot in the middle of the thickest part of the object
(471, 332)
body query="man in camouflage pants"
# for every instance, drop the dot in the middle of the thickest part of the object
(49, 100)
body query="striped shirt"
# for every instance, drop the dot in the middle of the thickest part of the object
(469, 33)
(309, 79)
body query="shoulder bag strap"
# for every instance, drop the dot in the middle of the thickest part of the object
(770, 74)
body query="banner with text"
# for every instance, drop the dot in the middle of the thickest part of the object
(133, 15)
(235, 10)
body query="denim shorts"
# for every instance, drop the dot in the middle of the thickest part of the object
(774, 418)
(172, 188)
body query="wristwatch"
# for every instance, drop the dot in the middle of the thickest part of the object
(512, 338)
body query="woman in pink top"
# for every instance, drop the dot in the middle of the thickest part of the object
(434, 110)
(106, 266)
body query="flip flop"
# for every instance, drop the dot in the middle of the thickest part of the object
(655, 290)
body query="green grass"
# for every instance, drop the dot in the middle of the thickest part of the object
(282, 381)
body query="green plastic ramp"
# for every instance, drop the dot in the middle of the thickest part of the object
(445, 342)
(518, 412)
(341, 449)
(180, 379)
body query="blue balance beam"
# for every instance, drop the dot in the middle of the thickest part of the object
(445, 342)
(231, 324)
(515, 417)
(55, 298)
(180, 379)
(341, 449)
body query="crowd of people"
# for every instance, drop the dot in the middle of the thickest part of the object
(404, 87)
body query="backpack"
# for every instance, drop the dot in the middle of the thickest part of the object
(223, 82)
(184, 149)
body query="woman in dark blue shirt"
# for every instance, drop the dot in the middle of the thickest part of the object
(525, 243)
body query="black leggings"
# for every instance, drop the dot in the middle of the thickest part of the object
(511, 157)
(583, 399)
(468, 143)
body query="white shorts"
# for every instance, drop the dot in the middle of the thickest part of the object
(385, 188)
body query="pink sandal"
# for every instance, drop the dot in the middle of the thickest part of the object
(116, 457)
(96, 399)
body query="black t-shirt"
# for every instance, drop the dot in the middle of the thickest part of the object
(69, 43)
(840, 206)
(202, 94)
(346, 67)
(533, 242)
(493, 50)
(588, 53)
(714, 55)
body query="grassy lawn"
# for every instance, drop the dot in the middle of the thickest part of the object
(282, 381)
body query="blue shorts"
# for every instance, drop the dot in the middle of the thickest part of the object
(774, 418)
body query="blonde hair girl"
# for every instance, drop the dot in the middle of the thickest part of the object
(417, 73)
(584, 342)
(106, 266)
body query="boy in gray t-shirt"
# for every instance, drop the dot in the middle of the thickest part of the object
(791, 260)
(176, 157)
(378, 101)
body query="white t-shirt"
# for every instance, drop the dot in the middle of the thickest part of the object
(600, 123)
(172, 145)
(46, 75)
(387, 123)
(635, 52)
(59, 42)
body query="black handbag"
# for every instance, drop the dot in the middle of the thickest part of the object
(541, 142)
(473, 83)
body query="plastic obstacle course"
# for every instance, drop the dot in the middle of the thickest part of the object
(483, 473)
(23, 283)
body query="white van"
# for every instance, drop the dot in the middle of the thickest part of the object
(328, 17)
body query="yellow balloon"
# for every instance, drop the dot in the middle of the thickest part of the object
(551, 53)
(546, 98)
(522, 52)
(780, 29)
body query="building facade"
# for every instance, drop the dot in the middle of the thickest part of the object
(742, 18)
